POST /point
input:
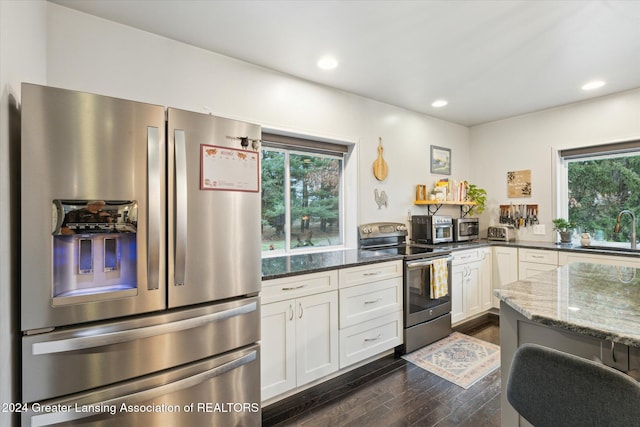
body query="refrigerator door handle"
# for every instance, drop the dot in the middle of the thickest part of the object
(154, 207)
(180, 206)
(81, 343)
(146, 395)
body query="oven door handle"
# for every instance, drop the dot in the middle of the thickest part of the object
(426, 263)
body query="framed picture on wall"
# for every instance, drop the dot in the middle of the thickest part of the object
(440, 160)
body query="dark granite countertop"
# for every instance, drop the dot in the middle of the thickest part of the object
(291, 265)
(601, 301)
(283, 266)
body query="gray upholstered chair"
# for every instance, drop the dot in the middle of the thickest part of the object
(551, 388)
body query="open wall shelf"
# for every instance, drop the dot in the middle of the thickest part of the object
(434, 205)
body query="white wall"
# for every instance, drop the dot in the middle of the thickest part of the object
(22, 56)
(526, 142)
(90, 54)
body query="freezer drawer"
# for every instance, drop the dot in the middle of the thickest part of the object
(220, 391)
(70, 361)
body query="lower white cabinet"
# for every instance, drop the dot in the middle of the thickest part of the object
(370, 310)
(299, 342)
(471, 283)
(534, 261)
(369, 338)
(565, 258)
(505, 268)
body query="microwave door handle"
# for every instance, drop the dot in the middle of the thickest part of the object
(146, 395)
(426, 263)
(180, 196)
(118, 337)
(155, 160)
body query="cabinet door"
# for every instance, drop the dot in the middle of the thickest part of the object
(278, 348)
(528, 269)
(505, 268)
(486, 279)
(316, 336)
(472, 289)
(458, 276)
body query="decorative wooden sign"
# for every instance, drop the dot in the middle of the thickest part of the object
(519, 183)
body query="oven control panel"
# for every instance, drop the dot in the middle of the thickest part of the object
(382, 229)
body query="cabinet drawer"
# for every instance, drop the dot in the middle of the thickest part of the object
(370, 338)
(538, 256)
(298, 286)
(369, 273)
(463, 257)
(365, 302)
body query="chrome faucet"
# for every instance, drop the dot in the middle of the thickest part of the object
(616, 229)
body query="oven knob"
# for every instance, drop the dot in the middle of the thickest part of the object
(401, 227)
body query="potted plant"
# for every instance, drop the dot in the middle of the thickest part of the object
(563, 227)
(477, 195)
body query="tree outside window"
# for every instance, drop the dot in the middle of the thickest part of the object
(598, 189)
(302, 189)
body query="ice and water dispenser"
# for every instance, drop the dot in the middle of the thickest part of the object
(94, 250)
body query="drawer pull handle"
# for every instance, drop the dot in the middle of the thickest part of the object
(374, 301)
(613, 352)
(291, 311)
(373, 339)
(537, 256)
(377, 273)
(292, 288)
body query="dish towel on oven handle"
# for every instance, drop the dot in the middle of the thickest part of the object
(439, 278)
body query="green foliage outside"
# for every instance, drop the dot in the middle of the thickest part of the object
(314, 198)
(599, 190)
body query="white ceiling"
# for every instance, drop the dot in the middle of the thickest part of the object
(489, 59)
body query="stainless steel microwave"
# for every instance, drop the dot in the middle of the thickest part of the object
(431, 229)
(465, 229)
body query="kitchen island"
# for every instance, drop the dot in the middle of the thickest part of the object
(590, 310)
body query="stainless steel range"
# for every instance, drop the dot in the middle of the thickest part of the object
(426, 319)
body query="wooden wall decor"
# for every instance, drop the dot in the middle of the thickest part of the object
(519, 183)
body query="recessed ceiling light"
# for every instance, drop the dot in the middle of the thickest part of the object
(327, 63)
(593, 85)
(439, 103)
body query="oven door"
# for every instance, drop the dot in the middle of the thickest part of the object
(418, 305)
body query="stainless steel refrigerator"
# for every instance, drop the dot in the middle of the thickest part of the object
(140, 263)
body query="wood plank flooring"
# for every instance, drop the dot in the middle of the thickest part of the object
(393, 392)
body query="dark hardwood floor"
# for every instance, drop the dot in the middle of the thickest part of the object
(393, 392)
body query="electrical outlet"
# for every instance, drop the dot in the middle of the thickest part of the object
(539, 229)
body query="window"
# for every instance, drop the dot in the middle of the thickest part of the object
(600, 182)
(302, 188)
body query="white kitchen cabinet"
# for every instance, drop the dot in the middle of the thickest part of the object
(565, 258)
(370, 310)
(278, 348)
(299, 335)
(466, 284)
(486, 279)
(534, 261)
(505, 268)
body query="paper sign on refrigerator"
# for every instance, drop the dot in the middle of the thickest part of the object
(229, 169)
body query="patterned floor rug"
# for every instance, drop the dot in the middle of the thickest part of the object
(458, 358)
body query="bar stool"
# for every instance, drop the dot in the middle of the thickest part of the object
(551, 388)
